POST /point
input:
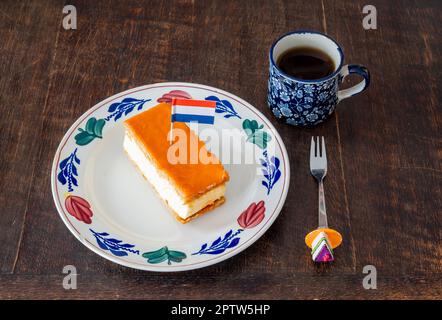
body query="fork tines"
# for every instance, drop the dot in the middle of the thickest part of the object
(318, 156)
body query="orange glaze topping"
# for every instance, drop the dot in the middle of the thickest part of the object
(191, 174)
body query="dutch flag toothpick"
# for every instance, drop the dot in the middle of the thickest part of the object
(187, 110)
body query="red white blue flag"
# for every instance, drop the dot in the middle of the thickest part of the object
(188, 110)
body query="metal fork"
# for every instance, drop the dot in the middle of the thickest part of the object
(318, 169)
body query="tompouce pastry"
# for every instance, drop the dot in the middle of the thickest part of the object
(190, 188)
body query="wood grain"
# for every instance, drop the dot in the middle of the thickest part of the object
(238, 286)
(383, 188)
(27, 50)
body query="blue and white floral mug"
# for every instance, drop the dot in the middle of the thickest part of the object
(301, 102)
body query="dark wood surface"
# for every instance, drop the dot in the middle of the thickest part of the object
(383, 188)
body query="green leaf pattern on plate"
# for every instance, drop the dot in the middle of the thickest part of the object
(164, 254)
(92, 130)
(255, 134)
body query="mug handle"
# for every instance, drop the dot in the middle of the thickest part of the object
(361, 86)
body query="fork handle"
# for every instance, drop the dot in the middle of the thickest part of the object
(322, 212)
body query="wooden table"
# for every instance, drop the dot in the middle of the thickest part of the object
(383, 188)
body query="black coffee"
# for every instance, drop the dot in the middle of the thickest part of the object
(306, 63)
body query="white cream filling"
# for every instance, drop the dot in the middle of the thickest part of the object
(165, 188)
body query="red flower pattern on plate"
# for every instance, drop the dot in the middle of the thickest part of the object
(252, 216)
(167, 97)
(79, 208)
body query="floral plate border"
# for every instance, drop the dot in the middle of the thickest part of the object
(114, 249)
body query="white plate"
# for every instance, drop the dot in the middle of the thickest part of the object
(106, 203)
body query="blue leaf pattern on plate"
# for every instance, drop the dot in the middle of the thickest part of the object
(68, 171)
(118, 109)
(224, 106)
(229, 240)
(270, 171)
(115, 246)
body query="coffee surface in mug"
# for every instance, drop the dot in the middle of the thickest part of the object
(306, 63)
